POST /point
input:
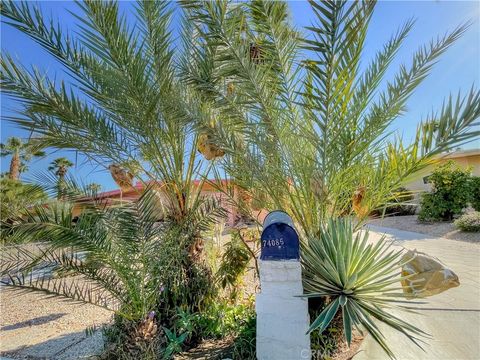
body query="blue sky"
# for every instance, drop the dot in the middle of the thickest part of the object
(458, 69)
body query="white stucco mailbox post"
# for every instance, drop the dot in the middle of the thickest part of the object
(282, 316)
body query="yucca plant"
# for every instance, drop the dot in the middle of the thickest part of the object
(360, 278)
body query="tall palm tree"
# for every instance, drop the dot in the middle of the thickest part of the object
(60, 167)
(93, 188)
(123, 103)
(21, 153)
(307, 127)
(308, 130)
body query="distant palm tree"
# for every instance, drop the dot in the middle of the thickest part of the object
(60, 166)
(21, 153)
(94, 187)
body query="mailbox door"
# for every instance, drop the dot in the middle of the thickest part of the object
(279, 241)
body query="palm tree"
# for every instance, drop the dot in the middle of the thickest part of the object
(308, 130)
(21, 153)
(124, 103)
(60, 167)
(93, 188)
(138, 107)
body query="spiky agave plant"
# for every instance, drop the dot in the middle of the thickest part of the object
(361, 278)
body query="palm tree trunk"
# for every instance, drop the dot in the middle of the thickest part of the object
(14, 166)
(61, 186)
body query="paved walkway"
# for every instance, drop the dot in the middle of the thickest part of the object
(452, 317)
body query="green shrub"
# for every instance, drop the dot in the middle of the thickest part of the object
(475, 192)
(450, 194)
(234, 262)
(223, 318)
(469, 222)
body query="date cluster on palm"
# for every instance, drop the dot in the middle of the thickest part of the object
(208, 148)
(358, 204)
(122, 177)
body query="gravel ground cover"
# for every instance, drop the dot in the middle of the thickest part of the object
(35, 326)
(446, 230)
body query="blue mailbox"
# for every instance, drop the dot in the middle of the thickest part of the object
(279, 240)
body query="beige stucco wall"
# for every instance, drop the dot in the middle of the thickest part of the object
(472, 161)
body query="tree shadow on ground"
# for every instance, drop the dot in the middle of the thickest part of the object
(76, 345)
(33, 322)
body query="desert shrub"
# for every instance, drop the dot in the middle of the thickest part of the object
(16, 196)
(469, 222)
(450, 193)
(475, 192)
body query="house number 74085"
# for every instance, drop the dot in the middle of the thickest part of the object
(273, 242)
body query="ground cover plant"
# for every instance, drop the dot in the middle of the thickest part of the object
(469, 222)
(287, 113)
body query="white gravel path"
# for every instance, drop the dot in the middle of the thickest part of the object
(34, 326)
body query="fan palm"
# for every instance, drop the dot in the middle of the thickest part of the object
(21, 153)
(60, 167)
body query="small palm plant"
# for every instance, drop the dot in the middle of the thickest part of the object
(118, 257)
(360, 278)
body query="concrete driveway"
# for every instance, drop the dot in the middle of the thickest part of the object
(452, 318)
